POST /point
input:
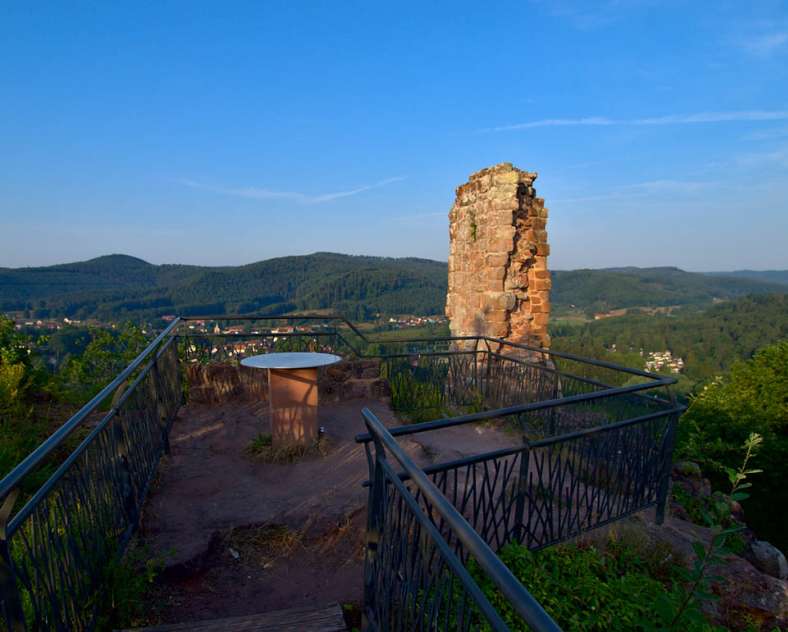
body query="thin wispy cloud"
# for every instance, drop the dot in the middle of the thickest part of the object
(671, 119)
(586, 15)
(766, 44)
(768, 134)
(641, 190)
(259, 193)
(776, 158)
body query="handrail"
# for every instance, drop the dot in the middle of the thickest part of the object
(32, 460)
(521, 600)
(294, 334)
(42, 491)
(280, 317)
(448, 422)
(577, 358)
(488, 339)
(538, 443)
(452, 561)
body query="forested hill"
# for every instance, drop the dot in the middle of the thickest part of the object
(770, 276)
(615, 288)
(119, 286)
(708, 340)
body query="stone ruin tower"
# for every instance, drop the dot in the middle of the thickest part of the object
(499, 284)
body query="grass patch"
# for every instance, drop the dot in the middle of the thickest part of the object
(260, 443)
(262, 449)
(352, 612)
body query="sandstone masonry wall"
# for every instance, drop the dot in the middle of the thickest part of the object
(499, 284)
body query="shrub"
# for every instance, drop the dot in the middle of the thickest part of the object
(126, 582)
(751, 398)
(107, 354)
(585, 589)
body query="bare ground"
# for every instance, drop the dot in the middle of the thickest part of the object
(242, 537)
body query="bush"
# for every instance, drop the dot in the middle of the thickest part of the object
(126, 583)
(585, 589)
(20, 431)
(16, 371)
(751, 398)
(416, 399)
(107, 354)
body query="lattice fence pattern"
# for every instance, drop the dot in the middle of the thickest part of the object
(415, 578)
(61, 543)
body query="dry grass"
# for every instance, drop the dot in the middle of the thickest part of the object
(261, 449)
(347, 536)
(263, 544)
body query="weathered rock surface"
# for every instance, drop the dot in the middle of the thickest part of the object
(747, 596)
(499, 284)
(769, 559)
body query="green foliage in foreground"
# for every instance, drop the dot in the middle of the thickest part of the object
(16, 369)
(127, 582)
(752, 398)
(20, 430)
(33, 401)
(632, 584)
(587, 590)
(415, 399)
(107, 354)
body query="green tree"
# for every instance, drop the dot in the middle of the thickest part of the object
(20, 432)
(107, 354)
(15, 367)
(752, 397)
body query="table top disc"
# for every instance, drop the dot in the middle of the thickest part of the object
(290, 360)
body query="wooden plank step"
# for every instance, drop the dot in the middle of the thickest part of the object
(308, 619)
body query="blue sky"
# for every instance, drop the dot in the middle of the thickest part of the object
(226, 133)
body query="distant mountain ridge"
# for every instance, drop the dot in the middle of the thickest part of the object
(121, 286)
(615, 288)
(117, 286)
(770, 276)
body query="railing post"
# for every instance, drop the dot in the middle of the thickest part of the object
(522, 486)
(667, 465)
(180, 374)
(11, 611)
(375, 516)
(487, 370)
(161, 416)
(554, 412)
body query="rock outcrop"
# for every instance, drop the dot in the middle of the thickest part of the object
(768, 559)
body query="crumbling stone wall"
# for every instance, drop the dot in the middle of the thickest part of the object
(499, 284)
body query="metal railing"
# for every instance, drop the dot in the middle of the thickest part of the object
(55, 551)
(419, 552)
(543, 492)
(430, 377)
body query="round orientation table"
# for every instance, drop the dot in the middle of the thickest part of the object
(292, 393)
